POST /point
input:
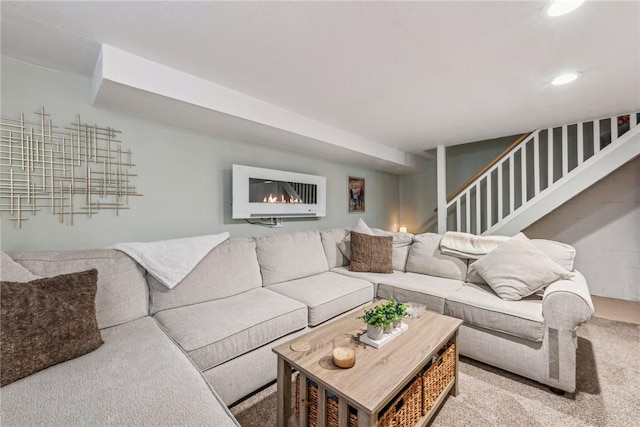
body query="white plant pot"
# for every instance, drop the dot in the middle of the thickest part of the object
(396, 324)
(374, 333)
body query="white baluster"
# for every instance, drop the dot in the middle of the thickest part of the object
(523, 172)
(549, 157)
(633, 120)
(596, 136)
(467, 216)
(580, 143)
(565, 150)
(512, 186)
(500, 200)
(478, 203)
(458, 224)
(489, 206)
(536, 164)
(614, 128)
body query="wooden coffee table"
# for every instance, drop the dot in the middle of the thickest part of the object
(378, 376)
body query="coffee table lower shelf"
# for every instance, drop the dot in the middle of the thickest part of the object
(314, 403)
(412, 377)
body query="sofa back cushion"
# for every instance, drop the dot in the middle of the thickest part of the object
(425, 258)
(11, 271)
(401, 246)
(562, 253)
(330, 241)
(122, 293)
(228, 269)
(290, 256)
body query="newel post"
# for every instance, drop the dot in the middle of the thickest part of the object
(441, 162)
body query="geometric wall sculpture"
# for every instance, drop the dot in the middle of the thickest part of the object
(80, 169)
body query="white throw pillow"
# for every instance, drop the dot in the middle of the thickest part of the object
(360, 227)
(11, 271)
(517, 269)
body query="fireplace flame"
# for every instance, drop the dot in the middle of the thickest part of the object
(274, 199)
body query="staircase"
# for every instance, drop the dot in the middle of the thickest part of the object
(540, 173)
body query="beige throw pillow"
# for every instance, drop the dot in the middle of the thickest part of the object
(517, 269)
(371, 253)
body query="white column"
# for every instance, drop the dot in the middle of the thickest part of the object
(441, 161)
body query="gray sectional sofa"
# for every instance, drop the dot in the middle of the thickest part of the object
(180, 356)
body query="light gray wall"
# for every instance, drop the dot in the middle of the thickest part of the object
(185, 177)
(418, 199)
(464, 160)
(603, 224)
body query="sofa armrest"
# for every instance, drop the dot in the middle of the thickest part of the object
(566, 304)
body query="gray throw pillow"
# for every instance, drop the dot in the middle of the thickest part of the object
(517, 269)
(47, 321)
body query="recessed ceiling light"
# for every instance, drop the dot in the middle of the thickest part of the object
(565, 78)
(562, 7)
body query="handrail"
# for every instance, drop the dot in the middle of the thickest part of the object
(488, 166)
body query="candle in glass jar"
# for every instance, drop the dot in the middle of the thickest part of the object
(344, 357)
(344, 352)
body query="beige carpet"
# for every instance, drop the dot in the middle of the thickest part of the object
(608, 389)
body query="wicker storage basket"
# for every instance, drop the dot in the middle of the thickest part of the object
(437, 377)
(312, 406)
(406, 409)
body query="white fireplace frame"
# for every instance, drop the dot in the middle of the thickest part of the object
(243, 209)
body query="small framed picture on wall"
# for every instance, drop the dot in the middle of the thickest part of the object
(355, 194)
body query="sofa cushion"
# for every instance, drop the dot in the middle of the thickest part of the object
(330, 241)
(371, 253)
(290, 256)
(425, 257)
(517, 269)
(213, 332)
(401, 246)
(419, 288)
(360, 227)
(561, 253)
(374, 278)
(122, 289)
(11, 271)
(47, 321)
(327, 295)
(480, 306)
(138, 377)
(229, 269)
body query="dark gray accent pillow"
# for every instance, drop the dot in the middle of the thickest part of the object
(371, 253)
(47, 321)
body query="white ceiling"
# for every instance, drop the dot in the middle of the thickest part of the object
(404, 75)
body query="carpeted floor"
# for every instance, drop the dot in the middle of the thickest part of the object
(608, 389)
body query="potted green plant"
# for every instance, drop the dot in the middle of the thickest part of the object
(400, 312)
(389, 309)
(376, 320)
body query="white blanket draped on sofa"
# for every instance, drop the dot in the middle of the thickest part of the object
(170, 261)
(465, 245)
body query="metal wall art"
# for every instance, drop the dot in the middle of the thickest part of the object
(79, 170)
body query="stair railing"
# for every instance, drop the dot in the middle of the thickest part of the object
(529, 167)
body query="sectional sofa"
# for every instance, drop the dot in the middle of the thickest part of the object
(180, 356)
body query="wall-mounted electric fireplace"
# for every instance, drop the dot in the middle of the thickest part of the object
(268, 193)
